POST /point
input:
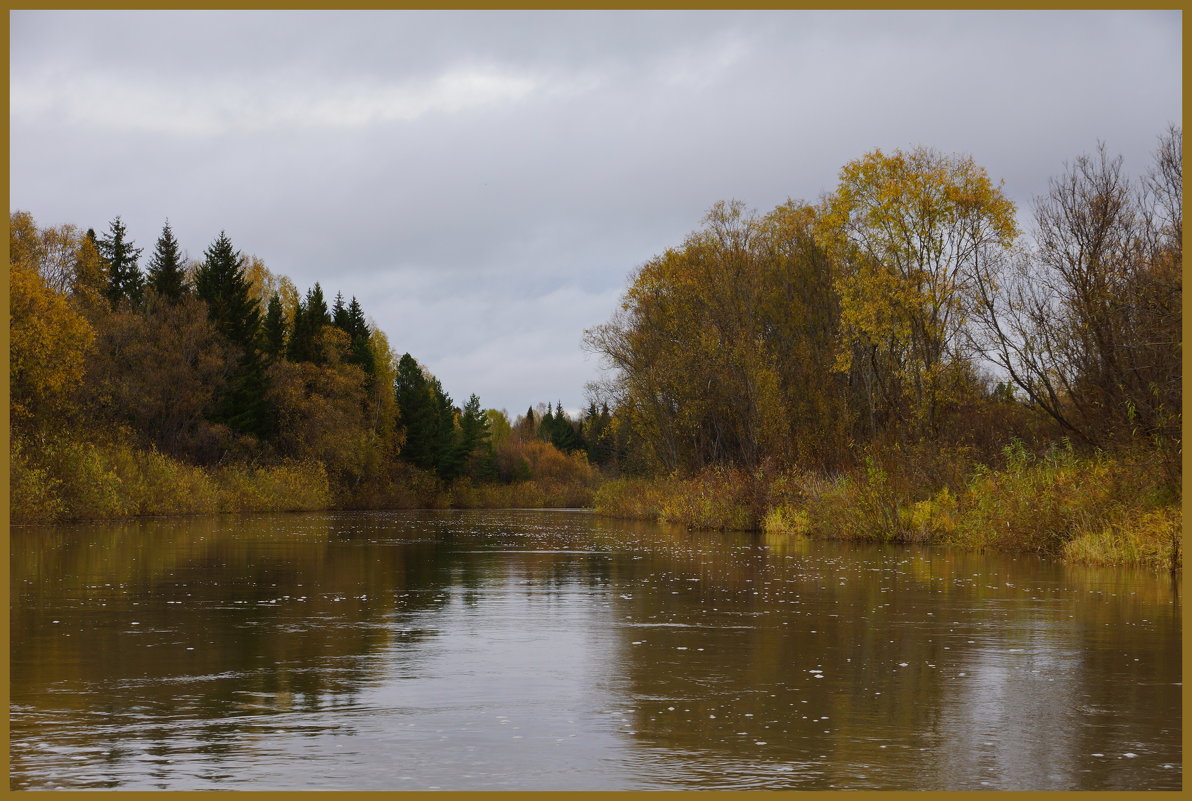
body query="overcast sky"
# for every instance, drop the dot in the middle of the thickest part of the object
(484, 182)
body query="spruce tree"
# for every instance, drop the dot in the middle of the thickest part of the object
(473, 432)
(273, 330)
(449, 459)
(339, 314)
(316, 309)
(309, 320)
(357, 328)
(221, 283)
(125, 281)
(166, 274)
(415, 402)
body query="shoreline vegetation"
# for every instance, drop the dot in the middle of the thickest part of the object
(895, 363)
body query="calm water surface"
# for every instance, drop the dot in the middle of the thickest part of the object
(559, 650)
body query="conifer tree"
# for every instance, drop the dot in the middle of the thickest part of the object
(357, 328)
(473, 433)
(274, 329)
(316, 309)
(449, 459)
(221, 283)
(415, 401)
(339, 314)
(165, 268)
(125, 281)
(309, 320)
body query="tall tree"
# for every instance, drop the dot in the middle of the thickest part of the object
(166, 267)
(125, 281)
(273, 329)
(357, 328)
(339, 314)
(418, 413)
(220, 282)
(909, 231)
(309, 319)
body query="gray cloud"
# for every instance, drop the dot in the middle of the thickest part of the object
(484, 181)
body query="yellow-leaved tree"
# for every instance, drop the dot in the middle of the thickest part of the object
(908, 232)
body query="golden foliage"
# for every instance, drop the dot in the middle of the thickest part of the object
(49, 343)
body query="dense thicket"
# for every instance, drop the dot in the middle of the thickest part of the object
(905, 311)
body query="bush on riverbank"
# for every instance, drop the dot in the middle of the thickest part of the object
(56, 477)
(1093, 508)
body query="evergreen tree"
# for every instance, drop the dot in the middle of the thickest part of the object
(449, 459)
(562, 434)
(273, 330)
(598, 435)
(309, 320)
(339, 314)
(546, 428)
(316, 309)
(473, 434)
(124, 277)
(416, 403)
(221, 283)
(166, 274)
(357, 328)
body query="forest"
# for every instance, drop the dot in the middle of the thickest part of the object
(213, 385)
(896, 361)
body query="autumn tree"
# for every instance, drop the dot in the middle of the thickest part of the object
(49, 345)
(719, 346)
(159, 370)
(50, 252)
(1086, 320)
(909, 232)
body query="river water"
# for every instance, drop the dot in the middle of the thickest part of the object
(511, 650)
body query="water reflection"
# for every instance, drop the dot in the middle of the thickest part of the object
(553, 650)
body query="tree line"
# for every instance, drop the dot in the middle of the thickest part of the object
(906, 308)
(218, 360)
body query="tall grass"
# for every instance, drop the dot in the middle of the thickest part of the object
(65, 477)
(1094, 508)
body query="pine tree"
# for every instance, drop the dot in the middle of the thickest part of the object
(273, 330)
(166, 274)
(125, 281)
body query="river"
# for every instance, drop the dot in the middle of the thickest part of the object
(558, 650)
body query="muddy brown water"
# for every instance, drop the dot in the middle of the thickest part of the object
(507, 650)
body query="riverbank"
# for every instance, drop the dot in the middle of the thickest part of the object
(1093, 509)
(63, 477)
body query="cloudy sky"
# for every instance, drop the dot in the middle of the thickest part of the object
(484, 182)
